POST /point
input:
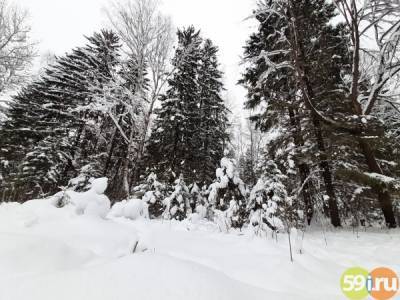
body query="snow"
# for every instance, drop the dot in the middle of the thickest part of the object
(51, 253)
(229, 166)
(132, 209)
(93, 202)
(380, 177)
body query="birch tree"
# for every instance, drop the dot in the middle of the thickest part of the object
(374, 27)
(147, 37)
(16, 48)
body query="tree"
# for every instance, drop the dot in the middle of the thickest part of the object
(122, 100)
(272, 208)
(177, 203)
(228, 195)
(171, 149)
(249, 161)
(147, 37)
(212, 117)
(55, 116)
(16, 48)
(189, 133)
(272, 77)
(153, 193)
(354, 92)
(380, 18)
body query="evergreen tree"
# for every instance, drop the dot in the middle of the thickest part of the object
(177, 204)
(190, 130)
(213, 122)
(271, 79)
(171, 145)
(51, 123)
(228, 196)
(153, 193)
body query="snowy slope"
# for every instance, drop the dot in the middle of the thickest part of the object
(54, 253)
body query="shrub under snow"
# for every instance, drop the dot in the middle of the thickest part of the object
(92, 202)
(131, 209)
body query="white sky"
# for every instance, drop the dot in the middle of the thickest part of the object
(59, 25)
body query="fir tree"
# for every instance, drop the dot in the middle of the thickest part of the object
(54, 116)
(177, 203)
(228, 195)
(271, 78)
(170, 147)
(213, 122)
(190, 130)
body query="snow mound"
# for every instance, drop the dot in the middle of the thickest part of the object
(93, 202)
(26, 255)
(131, 209)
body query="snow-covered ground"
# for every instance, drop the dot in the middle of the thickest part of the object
(49, 253)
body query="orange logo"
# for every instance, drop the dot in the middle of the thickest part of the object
(383, 283)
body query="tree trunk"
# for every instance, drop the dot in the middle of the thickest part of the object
(70, 164)
(326, 173)
(113, 144)
(304, 169)
(384, 198)
(300, 64)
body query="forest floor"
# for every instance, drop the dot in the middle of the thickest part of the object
(49, 253)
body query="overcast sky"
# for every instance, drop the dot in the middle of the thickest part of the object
(59, 25)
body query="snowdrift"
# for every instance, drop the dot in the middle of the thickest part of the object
(85, 251)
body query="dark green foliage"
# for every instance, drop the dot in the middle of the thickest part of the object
(189, 133)
(53, 130)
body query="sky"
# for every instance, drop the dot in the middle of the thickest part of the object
(60, 25)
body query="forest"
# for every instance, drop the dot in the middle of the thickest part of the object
(141, 103)
(132, 167)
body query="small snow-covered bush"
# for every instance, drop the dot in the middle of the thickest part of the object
(92, 202)
(131, 209)
(176, 204)
(228, 195)
(272, 209)
(152, 192)
(199, 201)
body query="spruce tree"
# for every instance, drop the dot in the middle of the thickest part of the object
(170, 147)
(189, 134)
(228, 195)
(213, 122)
(52, 122)
(271, 78)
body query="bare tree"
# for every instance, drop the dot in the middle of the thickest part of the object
(148, 38)
(379, 19)
(125, 109)
(16, 49)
